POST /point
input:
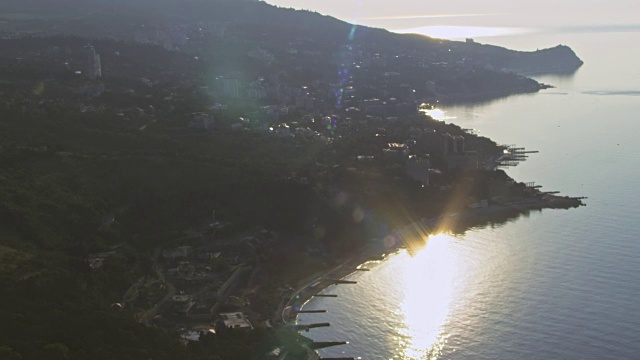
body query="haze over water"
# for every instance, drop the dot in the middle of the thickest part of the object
(557, 284)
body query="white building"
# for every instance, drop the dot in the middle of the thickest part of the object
(236, 320)
(231, 87)
(93, 67)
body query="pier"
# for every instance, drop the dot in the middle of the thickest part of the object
(338, 281)
(523, 151)
(513, 155)
(308, 327)
(311, 289)
(326, 344)
(532, 185)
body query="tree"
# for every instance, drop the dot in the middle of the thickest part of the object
(7, 353)
(56, 351)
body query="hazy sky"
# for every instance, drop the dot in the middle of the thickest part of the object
(396, 14)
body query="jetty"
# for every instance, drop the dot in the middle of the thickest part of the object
(326, 344)
(300, 327)
(312, 288)
(338, 281)
(512, 156)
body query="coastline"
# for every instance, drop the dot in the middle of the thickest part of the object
(452, 99)
(378, 250)
(451, 222)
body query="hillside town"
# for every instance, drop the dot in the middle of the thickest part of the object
(189, 180)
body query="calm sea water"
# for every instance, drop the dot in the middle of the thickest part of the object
(557, 284)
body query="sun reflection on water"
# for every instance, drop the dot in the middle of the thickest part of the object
(438, 114)
(429, 289)
(435, 113)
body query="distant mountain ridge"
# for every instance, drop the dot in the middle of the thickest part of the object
(119, 18)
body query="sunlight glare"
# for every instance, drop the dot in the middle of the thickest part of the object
(462, 32)
(429, 290)
(437, 114)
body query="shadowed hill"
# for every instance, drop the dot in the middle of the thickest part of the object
(119, 19)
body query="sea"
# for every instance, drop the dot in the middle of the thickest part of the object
(552, 284)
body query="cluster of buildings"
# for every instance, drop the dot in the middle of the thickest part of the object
(410, 155)
(262, 56)
(456, 156)
(175, 36)
(206, 284)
